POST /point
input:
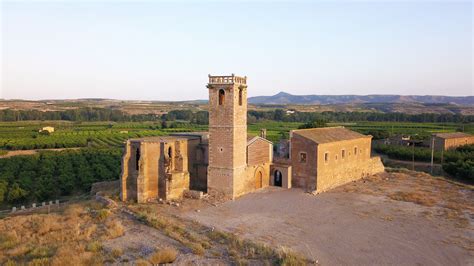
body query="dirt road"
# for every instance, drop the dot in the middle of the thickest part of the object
(360, 223)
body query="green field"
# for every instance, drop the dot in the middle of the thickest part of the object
(24, 135)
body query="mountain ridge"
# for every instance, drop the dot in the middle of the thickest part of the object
(287, 98)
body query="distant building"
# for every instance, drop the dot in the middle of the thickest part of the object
(323, 158)
(446, 141)
(48, 129)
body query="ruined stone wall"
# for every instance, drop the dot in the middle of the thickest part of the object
(129, 172)
(346, 161)
(159, 175)
(197, 164)
(147, 181)
(173, 170)
(125, 173)
(304, 173)
(259, 152)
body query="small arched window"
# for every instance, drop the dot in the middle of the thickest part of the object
(240, 96)
(221, 96)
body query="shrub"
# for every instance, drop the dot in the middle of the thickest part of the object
(39, 262)
(41, 252)
(196, 248)
(166, 255)
(102, 214)
(94, 246)
(115, 229)
(7, 240)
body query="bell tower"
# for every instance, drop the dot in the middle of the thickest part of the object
(227, 133)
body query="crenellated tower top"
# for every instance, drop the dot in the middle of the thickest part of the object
(224, 80)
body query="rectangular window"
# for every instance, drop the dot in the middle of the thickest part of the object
(302, 157)
(326, 157)
(343, 154)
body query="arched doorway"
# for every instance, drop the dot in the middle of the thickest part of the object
(277, 178)
(258, 179)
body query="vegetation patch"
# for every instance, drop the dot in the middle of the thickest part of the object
(166, 255)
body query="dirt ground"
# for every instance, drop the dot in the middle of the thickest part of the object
(31, 152)
(391, 218)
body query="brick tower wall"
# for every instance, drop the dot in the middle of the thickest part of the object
(227, 138)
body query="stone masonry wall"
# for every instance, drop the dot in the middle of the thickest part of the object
(304, 173)
(259, 152)
(339, 169)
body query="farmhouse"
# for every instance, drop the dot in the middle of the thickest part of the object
(446, 141)
(228, 163)
(47, 129)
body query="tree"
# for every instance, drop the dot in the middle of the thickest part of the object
(16, 193)
(3, 190)
(314, 124)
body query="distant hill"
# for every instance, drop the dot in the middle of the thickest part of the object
(286, 98)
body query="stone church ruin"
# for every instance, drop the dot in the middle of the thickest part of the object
(227, 162)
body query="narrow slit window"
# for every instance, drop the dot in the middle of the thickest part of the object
(326, 157)
(240, 96)
(343, 154)
(221, 96)
(355, 150)
(137, 161)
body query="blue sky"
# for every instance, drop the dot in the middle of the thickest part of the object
(153, 50)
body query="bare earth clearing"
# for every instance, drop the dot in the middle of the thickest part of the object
(392, 218)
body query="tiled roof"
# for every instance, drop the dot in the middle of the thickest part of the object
(452, 135)
(329, 134)
(252, 139)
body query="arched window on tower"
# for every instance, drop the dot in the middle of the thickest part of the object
(221, 96)
(240, 96)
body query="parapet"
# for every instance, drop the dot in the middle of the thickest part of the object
(221, 80)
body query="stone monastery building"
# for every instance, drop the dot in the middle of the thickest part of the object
(227, 162)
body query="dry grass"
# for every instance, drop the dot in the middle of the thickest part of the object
(452, 198)
(115, 228)
(94, 246)
(418, 197)
(70, 237)
(141, 262)
(201, 241)
(117, 252)
(166, 255)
